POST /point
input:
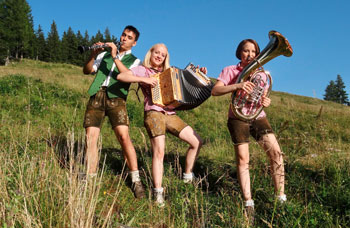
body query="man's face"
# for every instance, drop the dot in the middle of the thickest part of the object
(128, 39)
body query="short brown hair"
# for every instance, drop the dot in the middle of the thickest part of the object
(134, 30)
(242, 43)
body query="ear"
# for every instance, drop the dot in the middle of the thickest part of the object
(134, 44)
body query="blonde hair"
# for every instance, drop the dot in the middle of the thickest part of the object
(147, 59)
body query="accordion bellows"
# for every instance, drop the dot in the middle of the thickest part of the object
(179, 89)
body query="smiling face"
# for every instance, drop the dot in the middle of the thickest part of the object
(248, 53)
(158, 55)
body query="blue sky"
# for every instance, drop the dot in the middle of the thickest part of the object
(207, 32)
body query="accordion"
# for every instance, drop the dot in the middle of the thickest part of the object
(181, 89)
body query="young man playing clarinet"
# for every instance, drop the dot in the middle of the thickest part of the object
(107, 98)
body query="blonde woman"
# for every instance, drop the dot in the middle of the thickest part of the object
(160, 120)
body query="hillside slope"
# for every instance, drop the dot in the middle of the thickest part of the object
(42, 138)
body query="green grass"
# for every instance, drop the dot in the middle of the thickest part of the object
(42, 140)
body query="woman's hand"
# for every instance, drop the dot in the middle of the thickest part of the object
(203, 70)
(246, 86)
(265, 101)
(150, 81)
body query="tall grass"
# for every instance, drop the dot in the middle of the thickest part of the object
(42, 151)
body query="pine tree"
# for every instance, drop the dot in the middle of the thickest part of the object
(331, 92)
(335, 91)
(81, 41)
(107, 35)
(40, 44)
(16, 29)
(53, 45)
(97, 38)
(69, 47)
(342, 95)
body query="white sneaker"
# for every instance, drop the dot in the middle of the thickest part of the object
(159, 199)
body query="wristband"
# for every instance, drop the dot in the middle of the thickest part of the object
(114, 58)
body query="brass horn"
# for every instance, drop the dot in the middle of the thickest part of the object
(248, 106)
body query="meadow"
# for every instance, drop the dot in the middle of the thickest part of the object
(42, 141)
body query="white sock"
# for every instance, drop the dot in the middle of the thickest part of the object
(249, 203)
(282, 198)
(158, 190)
(135, 176)
(187, 176)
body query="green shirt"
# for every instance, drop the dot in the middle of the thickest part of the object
(115, 88)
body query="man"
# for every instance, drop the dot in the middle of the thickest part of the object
(107, 98)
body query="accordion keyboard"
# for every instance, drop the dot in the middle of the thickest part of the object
(156, 91)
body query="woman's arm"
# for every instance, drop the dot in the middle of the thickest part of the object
(220, 88)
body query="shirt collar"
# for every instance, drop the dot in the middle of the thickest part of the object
(239, 67)
(120, 56)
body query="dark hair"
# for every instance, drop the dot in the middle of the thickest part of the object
(134, 30)
(242, 43)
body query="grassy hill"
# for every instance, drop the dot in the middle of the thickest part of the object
(41, 113)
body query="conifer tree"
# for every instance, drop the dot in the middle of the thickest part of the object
(107, 35)
(342, 95)
(80, 59)
(69, 47)
(331, 92)
(40, 44)
(98, 37)
(53, 45)
(335, 91)
(16, 29)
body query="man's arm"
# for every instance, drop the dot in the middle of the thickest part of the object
(129, 77)
(121, 67)
(88, 67)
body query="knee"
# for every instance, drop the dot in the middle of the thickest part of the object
(158, 154)
(91, 136)
(276, 156)
(197, 143)
(124, 138)
(242, 161)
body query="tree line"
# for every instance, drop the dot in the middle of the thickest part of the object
(19, 40)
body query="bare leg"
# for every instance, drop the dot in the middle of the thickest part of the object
(122, 134)
(242, 158)
(158, 147)
(193, 139)
(273, 150)
(92, 134)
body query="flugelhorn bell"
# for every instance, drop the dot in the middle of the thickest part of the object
(248, 106)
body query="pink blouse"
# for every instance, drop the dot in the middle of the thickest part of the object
(229, 76)
(142, 71)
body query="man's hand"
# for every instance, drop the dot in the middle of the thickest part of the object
(113, 47)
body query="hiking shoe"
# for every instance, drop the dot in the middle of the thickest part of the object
(249, 214)
(137, 188)
(159, 199)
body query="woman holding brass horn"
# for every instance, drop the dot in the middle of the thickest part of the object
(259, 127)
(159, 120)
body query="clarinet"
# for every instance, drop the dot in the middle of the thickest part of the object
(83, 49)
